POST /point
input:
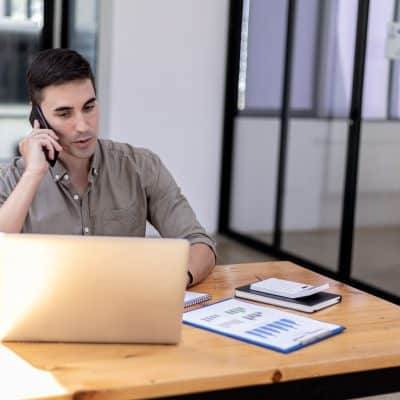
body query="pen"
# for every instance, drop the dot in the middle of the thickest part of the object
(313, 338)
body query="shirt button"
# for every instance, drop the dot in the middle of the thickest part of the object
(95, 171)
(57, 177)
(66, 177)
(76, 197)
(87, 230)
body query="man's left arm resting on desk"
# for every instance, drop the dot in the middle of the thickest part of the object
(172, 216)
(201, 262)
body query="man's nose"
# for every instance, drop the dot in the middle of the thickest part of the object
(81, 124)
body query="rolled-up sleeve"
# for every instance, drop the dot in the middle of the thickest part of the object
(9, 176)
(168, 209)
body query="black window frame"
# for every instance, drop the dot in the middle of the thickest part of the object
(393, 96)
(231, 112)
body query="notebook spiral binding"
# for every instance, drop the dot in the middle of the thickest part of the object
(197, 300)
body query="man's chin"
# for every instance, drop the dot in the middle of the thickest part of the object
(82, 151)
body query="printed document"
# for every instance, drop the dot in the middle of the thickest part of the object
(261, 325)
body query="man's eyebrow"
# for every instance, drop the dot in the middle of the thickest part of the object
(89, 101)
(63, 108)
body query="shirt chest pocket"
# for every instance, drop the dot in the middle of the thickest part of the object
(121, 222)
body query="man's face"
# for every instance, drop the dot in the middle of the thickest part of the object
(71, 109)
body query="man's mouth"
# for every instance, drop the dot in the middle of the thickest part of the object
(83, 140)
(83, 143)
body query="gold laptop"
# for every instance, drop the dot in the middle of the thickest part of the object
(91, 289)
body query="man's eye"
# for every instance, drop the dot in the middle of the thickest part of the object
(89, 108)
(63, 115)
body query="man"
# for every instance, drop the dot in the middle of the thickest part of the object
(96, 187)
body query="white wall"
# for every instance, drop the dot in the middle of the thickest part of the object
(164, 87)
(315, 174)
(12, 130)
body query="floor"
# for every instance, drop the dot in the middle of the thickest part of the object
(375, 258)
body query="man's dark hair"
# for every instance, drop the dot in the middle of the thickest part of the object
(55, 67)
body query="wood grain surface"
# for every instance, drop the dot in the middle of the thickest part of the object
(203, 360)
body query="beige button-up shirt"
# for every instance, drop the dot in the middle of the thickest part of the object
(127, 186)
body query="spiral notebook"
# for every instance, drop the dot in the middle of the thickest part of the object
(192, 298)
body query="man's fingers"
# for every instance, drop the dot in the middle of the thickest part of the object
(51, 146)
(47, 145)
(37, 130)
(48, 132)
(48, 138)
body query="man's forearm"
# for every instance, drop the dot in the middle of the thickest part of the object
(15, 209)
(201, 262)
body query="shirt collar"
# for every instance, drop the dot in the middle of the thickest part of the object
(58, 171)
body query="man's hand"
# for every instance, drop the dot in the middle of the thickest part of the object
(189, 279)
(31, 148)
(201, 262)
(15, 209)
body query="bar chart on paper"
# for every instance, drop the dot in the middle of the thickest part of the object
(274, 328)
(261, 325)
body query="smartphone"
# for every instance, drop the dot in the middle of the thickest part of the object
(37, 114)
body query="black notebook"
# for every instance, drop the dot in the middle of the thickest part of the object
(307, 304)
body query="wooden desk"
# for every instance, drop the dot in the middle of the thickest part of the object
(365, 359)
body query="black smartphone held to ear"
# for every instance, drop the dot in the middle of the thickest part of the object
(37, 114)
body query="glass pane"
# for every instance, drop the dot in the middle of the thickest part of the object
(20, 33)
(376, 77)
(304, 55)
(83, 29)
(314, 190)
(336, 57)
(376, 250)
(21, 23)
(317, 147)
(265, 54)
(254, 177)
(394, 82)
(394, 112)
